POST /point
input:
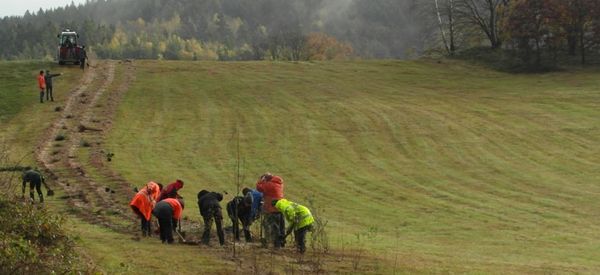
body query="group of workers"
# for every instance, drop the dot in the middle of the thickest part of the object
(267, 200)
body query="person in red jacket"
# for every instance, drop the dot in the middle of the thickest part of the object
(168, 212)
(171, 190)
(42, 85)
(273, 223)
(143, 202)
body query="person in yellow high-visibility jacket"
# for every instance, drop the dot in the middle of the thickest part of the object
(299, 218)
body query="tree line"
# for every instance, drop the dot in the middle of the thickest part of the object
(221, 29)
(537, 31)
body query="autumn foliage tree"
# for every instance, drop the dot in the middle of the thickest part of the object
(550, 26)
(320, 46)
(579, 20)
(529, 25)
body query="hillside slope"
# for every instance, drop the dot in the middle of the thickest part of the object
(428, 166)
(433, 163)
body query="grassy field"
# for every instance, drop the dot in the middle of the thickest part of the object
(430, 166)
(23, 119)
(436, 163)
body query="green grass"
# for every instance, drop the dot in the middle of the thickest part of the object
(445, 163)
(23, 119)
(436, 167)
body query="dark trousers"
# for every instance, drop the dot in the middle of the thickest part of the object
(274, 228)
(41, 96)
(217, 216)
(164, 213)
(49, 93)
(146, 224)
(37, 184)
(300, 237)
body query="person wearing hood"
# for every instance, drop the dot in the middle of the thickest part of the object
(35, 179)
(48, 78)
(210, 209)
(171, 190)
(168, 212)
(239, 209)
(299, 218)
(273, 223)
(143, 202)
(257, 202)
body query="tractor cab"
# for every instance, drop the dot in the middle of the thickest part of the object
(68, 48)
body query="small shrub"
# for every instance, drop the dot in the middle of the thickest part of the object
(33, 241)
(85, 143)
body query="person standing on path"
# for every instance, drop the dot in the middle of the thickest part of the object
(42, 85)
(82, 58)
(48, 79)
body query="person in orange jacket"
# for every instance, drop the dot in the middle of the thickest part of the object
(273, 223)
(168, 212)
(42, 85)
(143, 202)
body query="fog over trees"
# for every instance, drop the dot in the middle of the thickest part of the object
(537, 32)
(222, 29)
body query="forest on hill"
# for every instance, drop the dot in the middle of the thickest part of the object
(220, 29)
(534, 33)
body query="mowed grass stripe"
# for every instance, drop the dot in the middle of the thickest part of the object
(464, 165)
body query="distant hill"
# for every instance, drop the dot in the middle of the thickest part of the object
(217, 29)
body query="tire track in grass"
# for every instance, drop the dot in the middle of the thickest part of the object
(84, 195)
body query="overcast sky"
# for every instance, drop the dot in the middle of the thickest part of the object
(18, 7)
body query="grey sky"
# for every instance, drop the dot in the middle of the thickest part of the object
(18, 7)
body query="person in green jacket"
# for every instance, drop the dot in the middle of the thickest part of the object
(299, 218)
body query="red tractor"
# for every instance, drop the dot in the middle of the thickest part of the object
(68, 49)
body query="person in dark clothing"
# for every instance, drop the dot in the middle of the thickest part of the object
(48, 78)
(35, 179)
(168, 212)
(210, 209)
(240, 209)
(82, 58)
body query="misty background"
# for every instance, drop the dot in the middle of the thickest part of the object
(224, 29)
